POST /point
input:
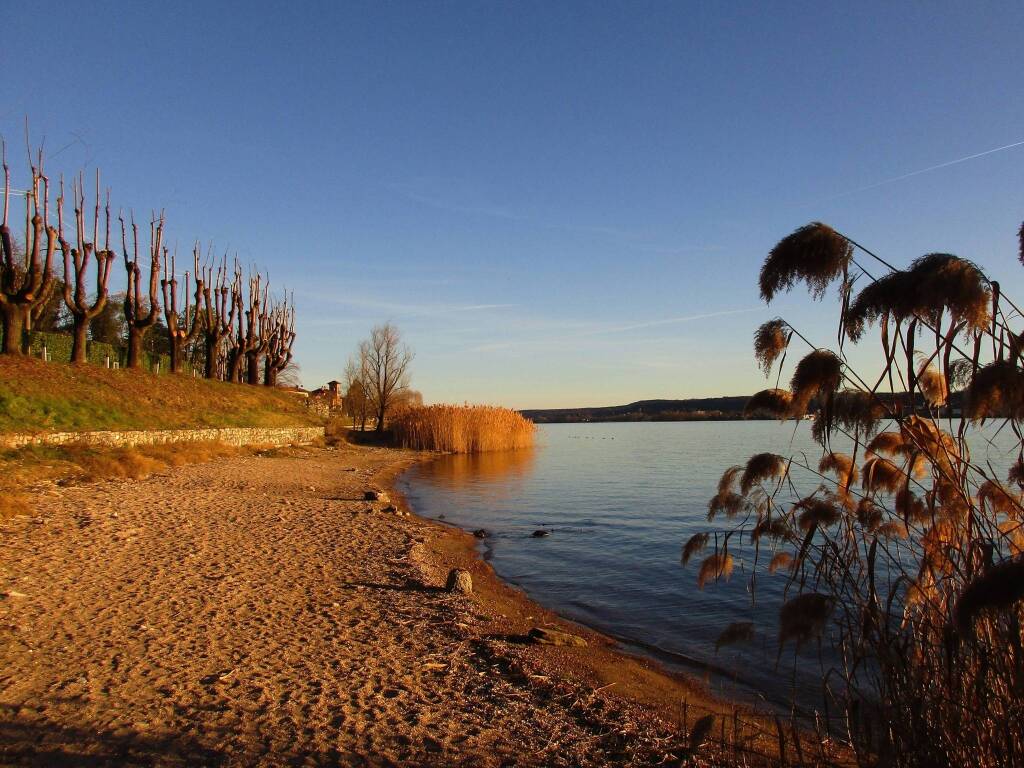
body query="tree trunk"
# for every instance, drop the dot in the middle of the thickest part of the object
(135, 337)
(380, 419)
(211, 357)
(175, 356)
(79, 345)
(14, 317)
(253, 365)
(269, 374)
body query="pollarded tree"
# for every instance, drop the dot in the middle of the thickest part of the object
(385, 361)
(26, 285)
(181, 329)
(139, 315)
(218, 315)
(76, 265)
(279, 345)
(257, 331)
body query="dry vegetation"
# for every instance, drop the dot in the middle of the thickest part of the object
(25, 471)
(462, 429)
(908, 555)
(41, 397)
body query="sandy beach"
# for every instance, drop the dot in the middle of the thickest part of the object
(256, 610)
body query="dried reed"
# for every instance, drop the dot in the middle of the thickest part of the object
(774, 402)
(817, 374)
(770, 341)
(814, 253)
(761, 467)
(462, 429)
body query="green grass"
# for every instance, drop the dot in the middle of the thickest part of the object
(56, 397)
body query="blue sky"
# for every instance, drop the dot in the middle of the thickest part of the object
(558, 203)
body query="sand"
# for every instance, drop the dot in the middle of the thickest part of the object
(256, 610)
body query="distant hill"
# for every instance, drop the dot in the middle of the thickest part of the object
(693, 409)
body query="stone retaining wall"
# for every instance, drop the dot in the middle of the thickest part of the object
(228, 435)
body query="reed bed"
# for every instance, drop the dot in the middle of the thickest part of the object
(905, 555)
(462, 429)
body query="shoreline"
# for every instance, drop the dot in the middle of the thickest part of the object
(256, 610)
(634, 677)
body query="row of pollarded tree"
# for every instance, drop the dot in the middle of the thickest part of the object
(244, 334)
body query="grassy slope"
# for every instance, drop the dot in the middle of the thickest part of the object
(42, 397)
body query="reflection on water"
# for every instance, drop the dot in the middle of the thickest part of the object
(619, 500)
(500, 470)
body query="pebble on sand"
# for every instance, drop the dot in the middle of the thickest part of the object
(554, 637)
(459, 581)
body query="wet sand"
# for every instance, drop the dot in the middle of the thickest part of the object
(257, 611)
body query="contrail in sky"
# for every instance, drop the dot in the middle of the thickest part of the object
(927, 170)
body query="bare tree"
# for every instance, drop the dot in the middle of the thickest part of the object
(257, 335)
(25, 286)
(355, 401)
(279, 344)
(76, 264)
(290, 375)
(181, 329)
(218, 315)
(236, 338)
(385, 362)
(139, 315)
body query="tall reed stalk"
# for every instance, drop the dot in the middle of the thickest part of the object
(905, 554)
(462, 428)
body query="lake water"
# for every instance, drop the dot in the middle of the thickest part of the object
(620, 500)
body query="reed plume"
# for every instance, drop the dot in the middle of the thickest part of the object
(1016, 473)
(761, 467)
(881, 474)
(817, 374)
(717, 566)
(774, 402)
(997, 391)
(933, 283)
(892, 530)
(773, 528)
(998, 589)
(888, 443)
(869, 514)
(933, 386)
(814, 253)
(803, 618)
(728, 480)
(693, 545)
(856, 411)
(780, 560)
(816, 512)
(999, 499)
(728, 503)
(770, 341)
(841, 465)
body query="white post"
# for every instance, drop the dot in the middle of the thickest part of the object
(108, 361)
(44, 353)
(158, 366)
